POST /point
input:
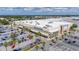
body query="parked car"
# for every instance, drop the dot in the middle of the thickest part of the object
(18, 49)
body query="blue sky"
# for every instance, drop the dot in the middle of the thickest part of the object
(39, 11)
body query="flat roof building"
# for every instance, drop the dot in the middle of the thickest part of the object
(50, 27)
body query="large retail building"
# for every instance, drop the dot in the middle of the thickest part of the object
(52, 28)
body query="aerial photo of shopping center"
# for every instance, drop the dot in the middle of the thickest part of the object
(39, 29)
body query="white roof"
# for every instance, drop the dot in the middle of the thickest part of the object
(46, 23)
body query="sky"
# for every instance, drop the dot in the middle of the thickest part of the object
(39, 10)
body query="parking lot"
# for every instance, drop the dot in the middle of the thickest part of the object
(69, 43)
(24, 39)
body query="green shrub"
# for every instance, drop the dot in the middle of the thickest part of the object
(4, 22)
(73, 26)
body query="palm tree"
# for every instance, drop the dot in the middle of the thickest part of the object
(30, 36)
(5, 45)
(53, 41)
(43, 43)
(13, 36)
(37, 47)
(56, 38)
(73, 27)
(11, 22)
(19, 41)
(10, 43)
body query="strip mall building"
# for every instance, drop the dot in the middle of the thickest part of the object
(52, 28)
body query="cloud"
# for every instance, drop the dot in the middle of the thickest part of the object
(28, 9)
(6, 9)
(60, 8)
(43, 9)
(38, 10)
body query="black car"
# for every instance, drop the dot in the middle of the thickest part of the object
(69, 42)
(17, 49)
(65, 39)
(74, 42)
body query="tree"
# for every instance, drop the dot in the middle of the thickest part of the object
(10, 43)
(43, 43)
(37, 47)
(4, 22)
(19, 41)
(56, 38)
(30, 36)
(13, 36)
(6, 45)
(38, 33)
(73, 26)
(53, 41)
